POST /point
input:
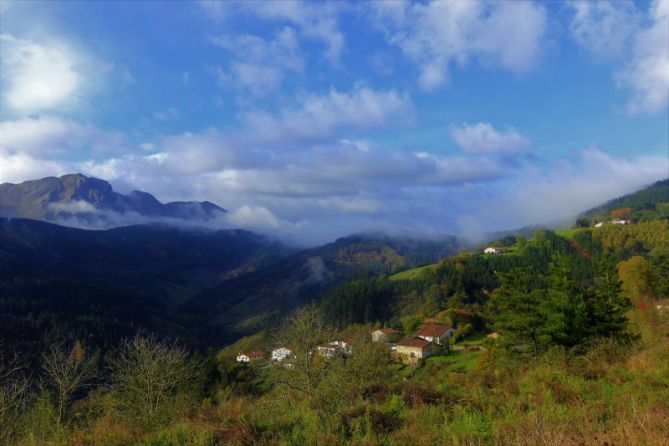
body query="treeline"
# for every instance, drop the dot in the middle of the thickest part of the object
(651, 203)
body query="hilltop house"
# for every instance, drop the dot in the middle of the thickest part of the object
(384, 335)
(438, 334)
(620, 222)
(599, 225)
(250, 356)
(493, 250)
(281, 353)
(411, 349)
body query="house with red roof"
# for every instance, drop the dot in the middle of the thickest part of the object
(250, 356)
(413, 348)
(384, 335)
(438, 334)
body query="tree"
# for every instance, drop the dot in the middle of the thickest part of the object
(305, 369)
(634, 275)
(66, 370)
(146, 376)
(14, 394)
(582, 222)
(517, 308)
(607, 305)
(658, 275)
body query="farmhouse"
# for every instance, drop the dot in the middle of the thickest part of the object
(662, 305)
(332, 348)
(620, 222)
(384, 335)
(435, 333)
(250, 356)
(411, 349)
(281, 353)
(599, 225)
(493, 250)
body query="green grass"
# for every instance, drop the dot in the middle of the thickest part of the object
(570, 233)
(411, 274)
(454, 362)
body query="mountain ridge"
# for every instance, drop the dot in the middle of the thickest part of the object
(81, 201)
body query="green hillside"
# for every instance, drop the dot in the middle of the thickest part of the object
(649, 203)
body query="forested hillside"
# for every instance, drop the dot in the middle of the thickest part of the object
(647, 204)
(556, 341)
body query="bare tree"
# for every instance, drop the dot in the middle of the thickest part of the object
(14, 393)
(302, 333)
(146, 375)
(66, 370)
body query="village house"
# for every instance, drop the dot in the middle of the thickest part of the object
(412, 349)
(620, 222)
(384, 335)
(250, 356)
(438, 334)
(332, 348)
(493, 250)
(281, 353)
(662, 305)
(599, 225)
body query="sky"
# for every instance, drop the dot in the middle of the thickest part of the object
(314, 120)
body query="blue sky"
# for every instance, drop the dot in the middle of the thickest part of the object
(316, 120)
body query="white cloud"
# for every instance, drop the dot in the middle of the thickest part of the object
(38, 76)
(318, 116)
(639, 40)
(17, 167)
(484, 138)
(258, 65)
(439, 34)
(252, 217)
(51, 135)
(315, 21)
(647, 73)
(602, 27)
(564, 188)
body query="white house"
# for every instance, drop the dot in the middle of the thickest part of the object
(250, 356)
(493, 250)
(332, 348)
(281, 353)
(435, 333)
(599, 225)
(620, 222)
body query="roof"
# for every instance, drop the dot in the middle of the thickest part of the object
(413, 341)
(387, 330)
(255, 354)
(433, 330)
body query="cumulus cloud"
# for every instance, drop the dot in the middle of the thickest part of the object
(639, 40)
(37, 75)
(484, 138)
(604, 28)
(52, 135)
(20, 166)
(319, 116)
(258, 65)
(647, 74)
(315, 21)
(438, 35)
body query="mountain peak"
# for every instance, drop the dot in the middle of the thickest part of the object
(77, 200)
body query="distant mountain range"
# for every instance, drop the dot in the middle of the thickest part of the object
(77, 200)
